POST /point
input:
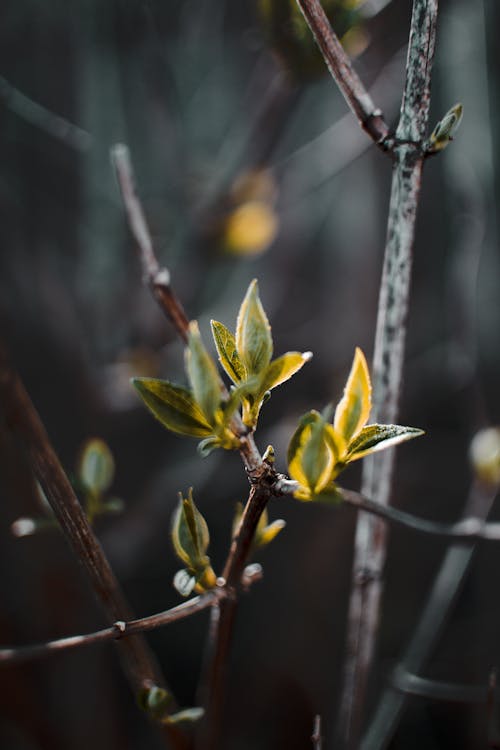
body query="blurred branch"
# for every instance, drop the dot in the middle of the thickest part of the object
(412, 684)
(354, 92)
(122, 629)
(22, 419)
(42, 118)
(157, 278)
(371, 537)
(445, 590)
(316, 738)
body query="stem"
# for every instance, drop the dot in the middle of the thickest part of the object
(123, 629)
(353, 90)
(223, 613)
(371, 535)
(316, 738)
(157, 278)
(21, 417)
(444, 593)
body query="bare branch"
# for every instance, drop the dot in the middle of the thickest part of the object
(22, 419)
(371, 538)
(445, 590)
(121, 629)
(157, 278)
(412, 684)
(316, 738)
(357, 97)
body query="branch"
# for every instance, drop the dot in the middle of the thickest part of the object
(121, 629)
(371, 538)
(22, 419)
(357, 97)
(157, 278)
(223, 613)
(316, 738)
(444, 593)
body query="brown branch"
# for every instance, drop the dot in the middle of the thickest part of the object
(357, 97)
(371, 537)
(223, 613)
(22, 419)
(121, 629)
(157, 278)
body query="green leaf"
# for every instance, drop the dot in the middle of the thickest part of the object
(226, 349)
(253, 333)
(446, 128)
(173, 406)
(190, 535)
(311, 460)
(207, 446)
(154, 701)
(96, 467)
(354, 408)
(186, 716)
(282, 369)
(377, 437)
(269, 532)
(203, 375)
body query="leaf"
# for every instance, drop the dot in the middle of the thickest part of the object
(311, 459)
(269, 532)
(190, 535)
(207, 446)
(203, 375)
(154, 701)
(282, 369)
(377, 437)
(253, 333)
(226, 349)
(446, 128)
(184, 582)
(96, 467)
(173, 406)
(354, 408)
(186, 716)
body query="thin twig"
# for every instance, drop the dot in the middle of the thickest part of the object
(436, 690)
(223, 614)
(22, 419)
(316, 738)
(357, 97)
(371, 537)
(445, 591)
(156, 277)
(122, 629)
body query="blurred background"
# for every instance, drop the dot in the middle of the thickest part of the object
(249, 165)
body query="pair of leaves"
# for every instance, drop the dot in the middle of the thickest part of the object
(265, 531)
(247, 356)
(155, 701)
(319, 450)
(190, 537)
(199, 411)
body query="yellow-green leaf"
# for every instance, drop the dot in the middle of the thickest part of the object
(311, 460)
(446, 128)
(186, 716)
(354, 408)
(96, 467)
(226, 349)
(203, 375)
(377, 437)
(269, 532)
(154, 701)
(253, 333)
(282, 369)
(173, 406)
(190, 535)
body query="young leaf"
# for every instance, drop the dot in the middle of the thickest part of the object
(186, 716)
(173, 406)
(96, 467)
(269, 532)
(226, 349)
(184, 582)
(377, 437)
(154, 701)
(203, 375)
(445, 129)
(354, 408)
(311, 460)
(253, 333)
(282, 369)
(190, 535)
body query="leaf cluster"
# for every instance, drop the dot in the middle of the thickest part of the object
(190, 537)
(319, 450)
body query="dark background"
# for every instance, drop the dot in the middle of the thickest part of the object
(196, 89)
